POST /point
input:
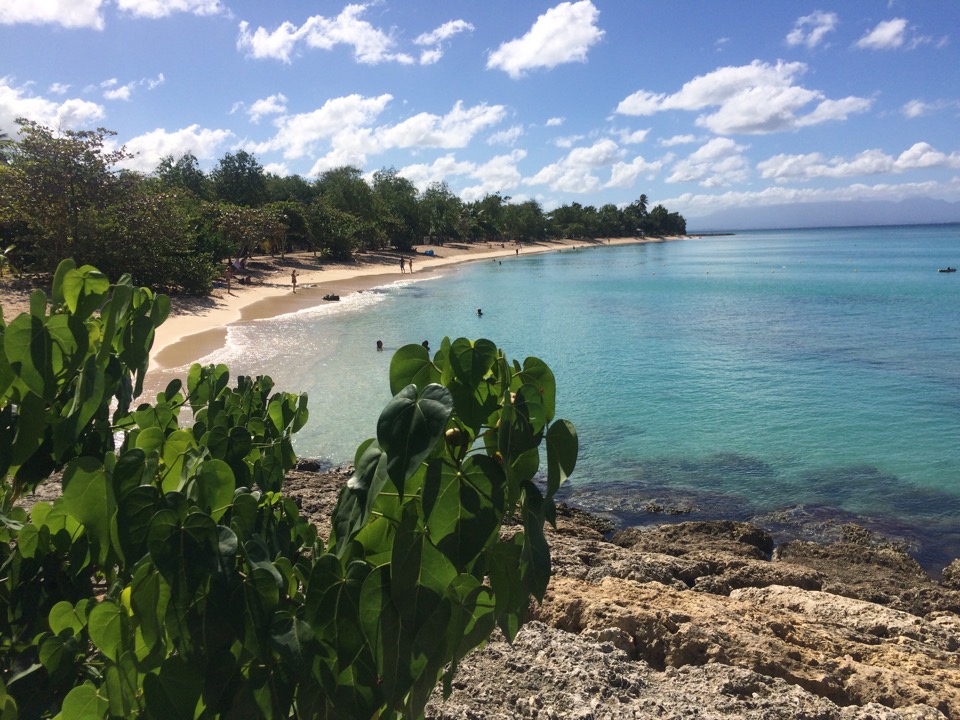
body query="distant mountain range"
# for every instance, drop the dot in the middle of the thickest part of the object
(916, 211)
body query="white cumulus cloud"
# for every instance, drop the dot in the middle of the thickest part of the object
(149, 148)
(164, 8)
(69, 114)
(434, 40)
(810, 30)
(273, 105)
(750, 99)
(370, 45)
(785, 168)
(561, 35)
(506, 137)
(577, 171)
(299, 135)
(68, 13)
(717, 163)
(888, 35)
(625, 174)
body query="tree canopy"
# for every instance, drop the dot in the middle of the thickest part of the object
(62, 195)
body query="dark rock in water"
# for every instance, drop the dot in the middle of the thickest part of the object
(585, 519)
(313, 465)
(737, 538)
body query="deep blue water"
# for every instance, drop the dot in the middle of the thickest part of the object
(790, 377)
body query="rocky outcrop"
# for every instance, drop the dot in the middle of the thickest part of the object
(710, 620)
(550, 674)
(848, 651)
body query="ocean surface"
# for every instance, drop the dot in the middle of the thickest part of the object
(801, 379)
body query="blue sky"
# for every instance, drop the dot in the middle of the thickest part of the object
(700, 104)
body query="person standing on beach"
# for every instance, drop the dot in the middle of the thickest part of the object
(410, 265)
(402, 266)
(228, 276)
(293, 280)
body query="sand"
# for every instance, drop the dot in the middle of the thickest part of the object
(198, 327)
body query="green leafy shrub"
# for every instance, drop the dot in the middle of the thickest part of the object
(173, 579)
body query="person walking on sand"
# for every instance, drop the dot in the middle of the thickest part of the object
(402, 266)
(293, 280)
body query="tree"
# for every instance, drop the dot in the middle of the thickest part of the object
(56, 185)
(289, 188)
(398, 211)
(525, 221)
(487, 215)
(239, 179)
(609, 221)
(6, 144)
(334, 232)
(441, 212)
(174, 579)
(184, 174)
(635, 216)
(152, 236)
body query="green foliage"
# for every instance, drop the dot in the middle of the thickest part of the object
(172, 578)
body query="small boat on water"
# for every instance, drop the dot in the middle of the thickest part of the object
(947, 269)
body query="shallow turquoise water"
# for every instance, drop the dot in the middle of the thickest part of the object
(748, 374)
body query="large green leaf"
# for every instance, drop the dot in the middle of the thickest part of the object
(88, 398)
(149, 598)
(105, 626)
(471, 622)
(535, 562)
(175, 447)
(410, 426)
(463, 507)
(83, 289)
(511, 596)
(472, 361)
(383, 628)
(135, 513)
(173, 692)
(537, 372)
(85, 702)
(562, 450)
(186, 553)
(65, 616)
(88, 497)
(129, 472)
(411, 365)
(215, 485)
(357, 497)
(29, 351)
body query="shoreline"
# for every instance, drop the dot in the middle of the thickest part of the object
(197, 326)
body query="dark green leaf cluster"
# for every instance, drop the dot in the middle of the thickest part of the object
(173, 579)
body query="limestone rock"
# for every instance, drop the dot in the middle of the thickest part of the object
(951, 575)
(849, 651)
(549, 674)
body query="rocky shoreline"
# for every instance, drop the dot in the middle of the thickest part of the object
(711, 620)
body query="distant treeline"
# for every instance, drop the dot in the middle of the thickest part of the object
(62, 196)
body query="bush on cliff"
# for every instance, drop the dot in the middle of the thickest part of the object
(173, 579)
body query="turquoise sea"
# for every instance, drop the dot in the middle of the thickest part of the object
(802, 379)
